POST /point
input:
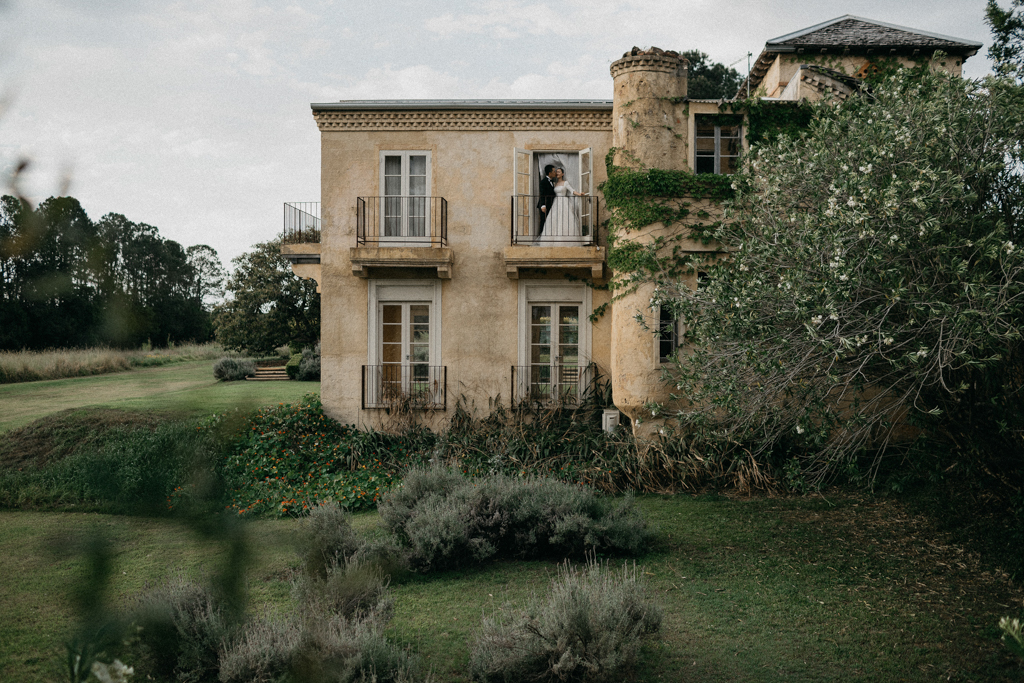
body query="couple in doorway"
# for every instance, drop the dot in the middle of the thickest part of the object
(559, 217)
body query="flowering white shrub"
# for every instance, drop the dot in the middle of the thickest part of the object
(871, 275)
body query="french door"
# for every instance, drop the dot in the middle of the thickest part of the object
(554, 353)
(405, 351)
(405, 183)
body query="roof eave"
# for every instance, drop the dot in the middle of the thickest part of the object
(449, 105)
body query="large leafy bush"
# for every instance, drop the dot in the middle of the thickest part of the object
(289, 458)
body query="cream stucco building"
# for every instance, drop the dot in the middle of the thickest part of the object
(441, 281)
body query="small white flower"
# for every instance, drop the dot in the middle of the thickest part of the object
(833, 316)
(887, 341)
(799, 429)
(844, 277)
(816, 320)
(115, 672)
(1010, 247)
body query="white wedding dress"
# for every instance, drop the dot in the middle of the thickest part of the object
(563, 222)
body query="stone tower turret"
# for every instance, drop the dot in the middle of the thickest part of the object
(648, 120)
(650, 129)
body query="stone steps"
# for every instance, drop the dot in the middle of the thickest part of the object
(274, 374)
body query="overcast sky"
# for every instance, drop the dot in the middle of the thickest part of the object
(193, 115)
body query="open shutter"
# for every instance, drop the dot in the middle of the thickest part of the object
(586, 187)
(521, 194)
(521, 167)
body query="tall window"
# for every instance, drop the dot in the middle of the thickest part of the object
(528, 174)
(404, 349)
(717, 143)
(405, 185)
(554, 340)
(668, 334)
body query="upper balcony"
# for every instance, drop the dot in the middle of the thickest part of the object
(564, 238)
(300, 243)
(401, 232)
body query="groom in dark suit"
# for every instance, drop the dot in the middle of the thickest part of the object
(547, 196)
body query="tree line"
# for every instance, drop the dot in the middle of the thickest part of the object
(69, 281)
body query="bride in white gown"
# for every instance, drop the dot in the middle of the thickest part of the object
(563, 222)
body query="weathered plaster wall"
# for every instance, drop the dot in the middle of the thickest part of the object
(473, 171)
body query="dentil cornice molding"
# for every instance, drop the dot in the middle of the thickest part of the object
(328, 120)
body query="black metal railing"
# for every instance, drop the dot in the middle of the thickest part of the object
(552, 383)
(402, 221)
(301, 222)
(409, 386)
(569, 222)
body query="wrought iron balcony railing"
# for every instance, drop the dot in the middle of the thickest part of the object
(405, 386)
(570, 222)
(401, 221)
(301, 222)
(552, 383)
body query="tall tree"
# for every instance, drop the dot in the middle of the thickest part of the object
(268, 305)
(208, 276)
(709, 80)
(1007, 49)
(67, 281)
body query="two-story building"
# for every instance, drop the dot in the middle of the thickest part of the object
(442, 280)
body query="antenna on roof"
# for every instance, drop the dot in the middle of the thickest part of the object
(749, 55)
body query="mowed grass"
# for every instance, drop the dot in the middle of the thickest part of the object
(837, 588)
(183, 388)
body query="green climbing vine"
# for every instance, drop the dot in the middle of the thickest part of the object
(640, 196)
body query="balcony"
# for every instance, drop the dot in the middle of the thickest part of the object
(565, 240)
(401, 232)
(401, 387)
(552, 383)
(300, 241)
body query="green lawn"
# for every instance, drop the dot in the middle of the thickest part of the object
(187, 388)
(807, 589)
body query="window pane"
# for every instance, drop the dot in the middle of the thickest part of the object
(704, 146)
(418, 166)
(705, 165)
(392, 165)
(418, 185)
(570, 354)
(730, 146)
(728, 164)
(392, 185)
(705, 125)
(569, 315)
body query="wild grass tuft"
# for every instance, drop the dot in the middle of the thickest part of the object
(448, 520)
(129, 469)
(180, 627)
(31, 366)
(589, 629)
